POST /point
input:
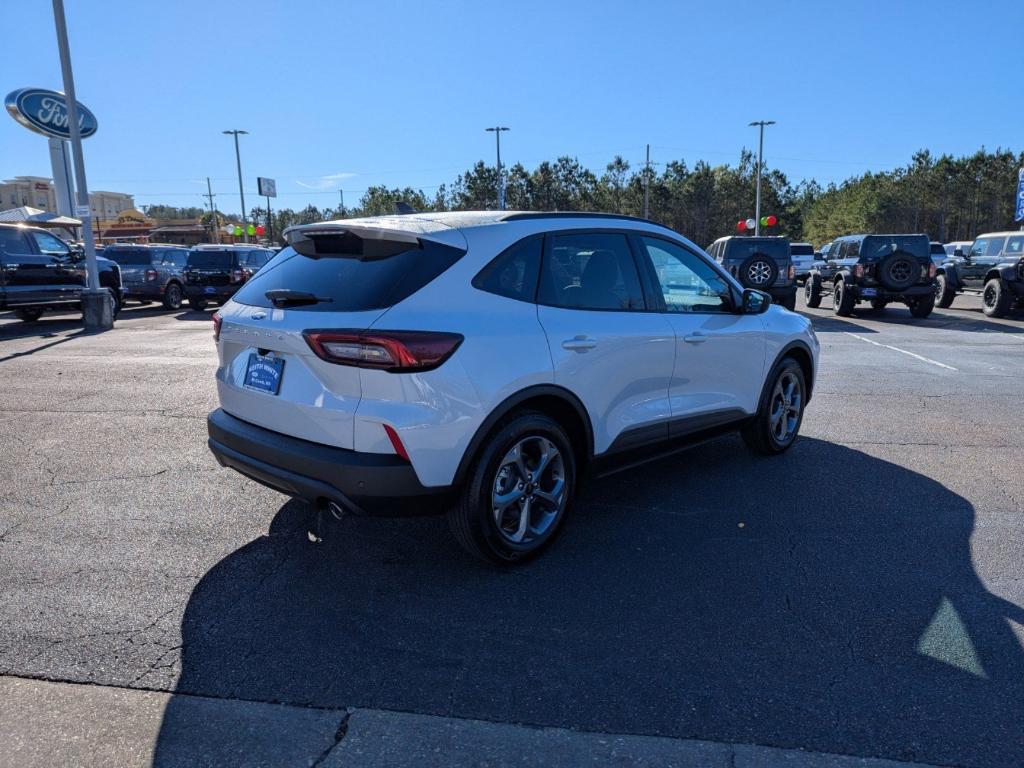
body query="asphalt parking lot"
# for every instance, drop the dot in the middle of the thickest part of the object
(862, 594)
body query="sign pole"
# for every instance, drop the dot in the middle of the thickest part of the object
(76, 146)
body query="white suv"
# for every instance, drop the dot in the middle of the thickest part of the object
(483, 363)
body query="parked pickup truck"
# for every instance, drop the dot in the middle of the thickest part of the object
(39, 272)
(151, 272)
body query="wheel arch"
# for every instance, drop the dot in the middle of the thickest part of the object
(801, 353)
(557, 402)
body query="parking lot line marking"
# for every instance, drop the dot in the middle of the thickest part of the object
(903, 351)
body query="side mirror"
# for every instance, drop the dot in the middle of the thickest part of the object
(755, 302)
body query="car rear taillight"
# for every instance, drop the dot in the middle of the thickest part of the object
(858, 270)
(931, 270)
(150, 275)
(392, 351)
(237, 275)
(217, 320)
(791, 272)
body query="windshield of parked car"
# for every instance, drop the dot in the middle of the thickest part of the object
(210, 259)
(880, 246)
(127, 257)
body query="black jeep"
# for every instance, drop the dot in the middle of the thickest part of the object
(876, 268)
(763, 263)
(992, 269)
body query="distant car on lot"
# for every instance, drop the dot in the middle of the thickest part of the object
(876, 268)
(213, 273)
(762, 263)
(484, 362)
(993, 268)
(938, 251)
(40, 272)
(957, 249)
(803, 256)
(151, 272)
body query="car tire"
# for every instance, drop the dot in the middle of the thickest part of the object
(944, 295)
(197, 304)
(28, 315)
(172, 296)
(879, 305)
(812, 291)
(758, 272)
(921, 306)
(115, 302)
(781, 411)
(504, 470)
(842, 299)
(995, 299)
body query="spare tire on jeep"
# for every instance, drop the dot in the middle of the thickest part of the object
(758, 271)
(898, 271)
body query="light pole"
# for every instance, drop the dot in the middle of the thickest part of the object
(94, 300)
(501, 177)
(241, 193)
(760, 153)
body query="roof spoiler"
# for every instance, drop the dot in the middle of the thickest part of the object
(350, 240)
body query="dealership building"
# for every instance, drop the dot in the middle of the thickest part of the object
(38, 192)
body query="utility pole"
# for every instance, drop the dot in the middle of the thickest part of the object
(647, 183)
(341, 194)
(241, 192)
(97, 310)
(760, 154)
(501, 176)
(215, 234)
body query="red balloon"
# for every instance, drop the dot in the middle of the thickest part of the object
(772, 221)
(741, 226)
(260, 229)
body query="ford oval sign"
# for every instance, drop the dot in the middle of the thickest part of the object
(46, 112)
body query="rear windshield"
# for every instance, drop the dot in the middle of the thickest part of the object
(801, 250)
(211, 259)
(127, 257)
(352, 284)
(740, 248)
(879, 246)
(938, 249)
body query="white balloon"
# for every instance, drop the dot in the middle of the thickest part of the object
(751, 223)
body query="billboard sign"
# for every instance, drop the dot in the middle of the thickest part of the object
(267, 187)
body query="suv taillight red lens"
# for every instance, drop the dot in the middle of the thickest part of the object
(858, 270)
(237, 275)
(217, 320)
(392, 351)
(150, 275)
(791, 272)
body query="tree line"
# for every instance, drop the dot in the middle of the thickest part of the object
(949, 198)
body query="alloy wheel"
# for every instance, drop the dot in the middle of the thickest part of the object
(529, 492)
(784, 415)
(759, 272)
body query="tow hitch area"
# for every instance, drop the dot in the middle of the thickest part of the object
(323, 511)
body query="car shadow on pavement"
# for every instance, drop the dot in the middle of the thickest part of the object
(824, 599)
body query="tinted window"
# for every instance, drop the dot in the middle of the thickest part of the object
(801, 250)
(175, 258)
(938, 250)
(1015, 246)
(741, 248)
(129, 256)
(352, 283)
(256, 258)
(590, 270)
(853, 249)
(51, 245)
(687, 282)
(514, 273)
(12, 241)
(211, 259)
(880, 246)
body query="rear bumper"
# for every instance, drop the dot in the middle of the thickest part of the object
(363, 483)
(143, 291)
(211, 292)
(878, 292)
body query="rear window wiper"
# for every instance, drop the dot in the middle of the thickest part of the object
(286, 297)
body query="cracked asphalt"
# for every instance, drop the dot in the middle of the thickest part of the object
(861, 595)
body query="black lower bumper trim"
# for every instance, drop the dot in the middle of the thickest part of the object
(363, 483)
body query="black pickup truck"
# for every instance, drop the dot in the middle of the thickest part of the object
(39, 272)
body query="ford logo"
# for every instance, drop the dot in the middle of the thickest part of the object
(46, 112)
(258, 315)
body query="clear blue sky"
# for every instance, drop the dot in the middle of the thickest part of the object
(399, 92)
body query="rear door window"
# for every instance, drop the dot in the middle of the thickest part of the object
(350, 281)
(590, 270)
(514, 272)
(13, 241)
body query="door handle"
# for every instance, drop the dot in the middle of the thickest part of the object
(695, 338)
(579, 344)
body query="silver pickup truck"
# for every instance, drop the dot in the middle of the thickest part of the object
(150, 272)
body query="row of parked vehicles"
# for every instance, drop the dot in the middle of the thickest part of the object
(40, 272)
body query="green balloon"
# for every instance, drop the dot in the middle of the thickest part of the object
(238, 230)
(251, 230)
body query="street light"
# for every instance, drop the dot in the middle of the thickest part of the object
(501, 177)
(760, 152)
(241, 193)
